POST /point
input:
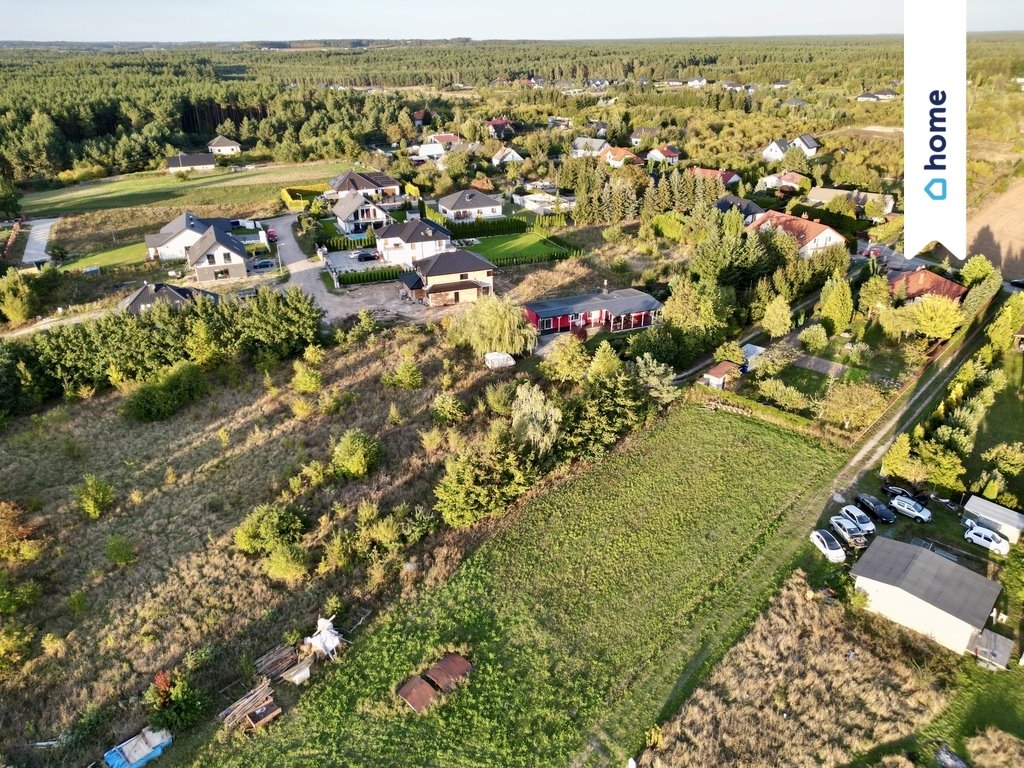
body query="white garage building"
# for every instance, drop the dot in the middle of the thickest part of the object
(926, 592)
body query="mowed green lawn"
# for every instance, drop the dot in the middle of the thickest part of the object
(219, 187)
(580, 616)
(133, 253)
(508, 246)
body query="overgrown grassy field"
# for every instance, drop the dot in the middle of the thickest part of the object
(810, 685)
(220, 187)
(565, 613)
(524, 245)
(101, 629)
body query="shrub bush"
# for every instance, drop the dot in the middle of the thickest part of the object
(814, 338)
(447, 409)
(268, 527)
(171, 390)
(356, 455)
(175, 702)
(119, 550)
(94, 496)
(286, 563)
(407, 375)
(307, 379)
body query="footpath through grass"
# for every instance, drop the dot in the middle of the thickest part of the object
(575, 611)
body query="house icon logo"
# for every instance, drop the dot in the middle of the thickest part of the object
(936, 189)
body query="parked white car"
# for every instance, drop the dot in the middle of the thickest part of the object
(990, 540)
(858, 518)
(828, 546)
(907, 506)
(849, 532)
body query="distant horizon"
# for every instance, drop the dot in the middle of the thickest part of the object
(470, 40)
(232, 21)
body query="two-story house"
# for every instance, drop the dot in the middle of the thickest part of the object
(469, 205)
(355, 214)
(381, 188)
(450, 277)
(217, 255)
(583, 146)
(406, 242)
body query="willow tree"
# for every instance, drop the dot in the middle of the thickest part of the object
(495, 324)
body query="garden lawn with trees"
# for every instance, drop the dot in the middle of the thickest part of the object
(566, 610)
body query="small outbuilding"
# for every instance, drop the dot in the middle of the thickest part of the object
(447, 673)
(926, 592)
(995, 517)
(720, 375)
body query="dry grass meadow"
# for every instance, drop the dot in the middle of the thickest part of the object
(997, 231)
(993, 748)
(809, 686)
(182, 485)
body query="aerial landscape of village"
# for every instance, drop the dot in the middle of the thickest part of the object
(410, 391)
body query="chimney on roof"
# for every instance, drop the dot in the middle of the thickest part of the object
(605, 289)
(804, 216)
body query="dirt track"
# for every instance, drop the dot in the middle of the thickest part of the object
(997, 231)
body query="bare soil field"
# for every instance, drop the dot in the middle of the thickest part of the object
(808, 686)
(997, 231)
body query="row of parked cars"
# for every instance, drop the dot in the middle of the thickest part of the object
(856, 522)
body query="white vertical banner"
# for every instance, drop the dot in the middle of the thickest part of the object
(935, 124)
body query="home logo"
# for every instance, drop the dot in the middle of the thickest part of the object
(935, 126)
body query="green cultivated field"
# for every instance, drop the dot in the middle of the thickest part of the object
(220, 187)
(581, 616)
(507, 246)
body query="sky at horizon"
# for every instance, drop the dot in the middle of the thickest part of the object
(227, 20)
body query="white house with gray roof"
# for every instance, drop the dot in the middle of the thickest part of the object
(928, 593)
(469, 205)
(221, 145)
(406, 242)
(356, 214)
(584, 146)
(183, 163)
(208, 246)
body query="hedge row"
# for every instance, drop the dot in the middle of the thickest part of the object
(380, 275)
(514, 260)
(343, 243)
(479, 228)
(294, 202)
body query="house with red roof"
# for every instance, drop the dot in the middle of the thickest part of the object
(728, 178)
(501, 127)
(617, 157)
(810, 234)
(924, 282)
(668, 154)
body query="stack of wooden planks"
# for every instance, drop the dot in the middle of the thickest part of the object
(258, 697)
(275, 661)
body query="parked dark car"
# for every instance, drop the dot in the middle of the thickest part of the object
(1017, 283)
(875, 507)
(894, 488)
(367, 256)
(264, 264)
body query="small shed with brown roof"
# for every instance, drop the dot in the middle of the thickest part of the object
(924, 282)
(417, 693)
(718, 376)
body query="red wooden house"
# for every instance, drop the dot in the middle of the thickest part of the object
(620, 310)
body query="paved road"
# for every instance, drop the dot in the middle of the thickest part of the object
(38, 236)
(305, 273)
